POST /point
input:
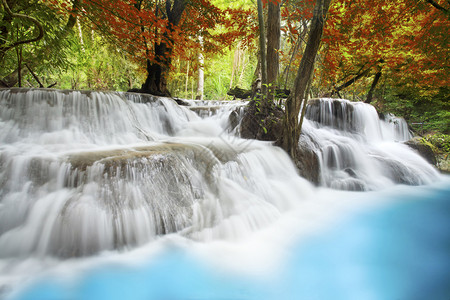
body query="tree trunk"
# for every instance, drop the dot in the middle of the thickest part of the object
(291, 128)
(262, 50)
(201, 77)
(187, 80)
(273, 46)
(19, 64)
(295, 50)
(156, 81)
(373, 86)
(157, 71)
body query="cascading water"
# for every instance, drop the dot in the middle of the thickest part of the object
(359, 151)
(95, 172)
(87, 178)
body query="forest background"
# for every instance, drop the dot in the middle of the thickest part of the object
(392, 54)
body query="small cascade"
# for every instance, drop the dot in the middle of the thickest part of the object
(359, 151)
(226, 114)
(208, 108)
(396, 127)
(65, 117)
(86, 172)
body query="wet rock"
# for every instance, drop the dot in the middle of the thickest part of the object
(205, 111)
(443, 162)
(350, 172)
(423, 149)
(307, 161)
(240, 93)
(234, 119)
(181, 102)
(335, 113)
(261, 126)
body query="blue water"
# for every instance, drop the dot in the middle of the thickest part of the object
(398, 251)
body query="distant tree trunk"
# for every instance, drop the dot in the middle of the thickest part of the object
(157, 71)
(373, 86)
(273, 46)
(201, 77)
(187, 79)
(291, 128)
(296, 47)
(235, 67)
(19, 64)
(35, 76)
(262, 50)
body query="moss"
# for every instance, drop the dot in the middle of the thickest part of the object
(440, 143)
(425, 142)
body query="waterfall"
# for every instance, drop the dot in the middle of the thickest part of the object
(357, 150)
(95, 171)
(87, 174)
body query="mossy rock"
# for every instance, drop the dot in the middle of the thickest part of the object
(424, 148)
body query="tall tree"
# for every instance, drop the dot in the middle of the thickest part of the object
(155, 31)
(292, 126)
(262, 49)
(156, 82)
(273, 46)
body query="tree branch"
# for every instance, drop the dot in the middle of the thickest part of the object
(21, 16)
(436, 5)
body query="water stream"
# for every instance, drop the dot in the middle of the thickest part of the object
(126, 196)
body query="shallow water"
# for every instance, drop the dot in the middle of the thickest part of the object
(393, 244)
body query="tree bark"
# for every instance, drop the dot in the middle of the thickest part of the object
(373, 86)
(201, 77)
(262, 50)
(273, 46)
(157, 71)
(295, 50)
(291, 128)
(349, 82)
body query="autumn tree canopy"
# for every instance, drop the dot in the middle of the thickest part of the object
(153, 32)
(404, 42)
(399, 47)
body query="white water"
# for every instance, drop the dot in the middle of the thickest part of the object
(100, 175)
(358, 151)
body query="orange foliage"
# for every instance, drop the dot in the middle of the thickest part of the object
(408, 40)
(138, 26)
